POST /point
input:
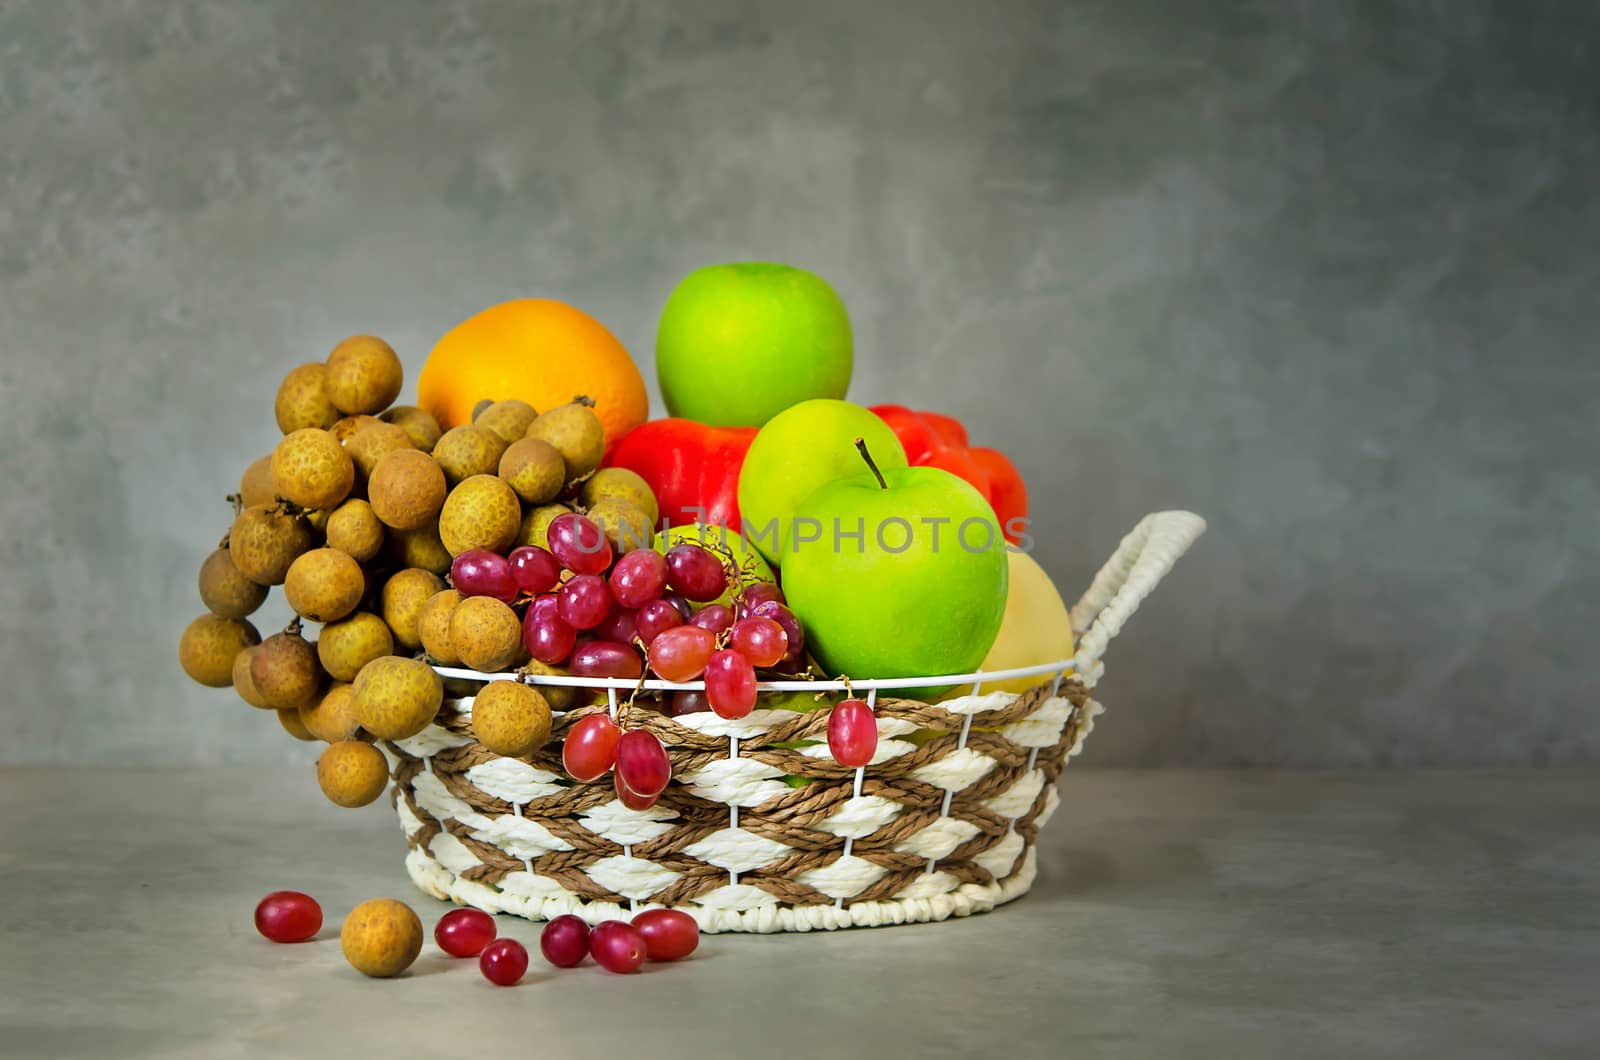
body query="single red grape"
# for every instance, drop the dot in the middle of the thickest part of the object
(464, 932)
(578, 544)
(654, 618)
(503, 962)
(630, 798)
(620, 625)
(535, 569)
(689, 703)
(757, 593)
(852, 733)
(696, 573)
(565, 941)
(590, 747)
(730, 684)
(639, 577)
(479, 572)
(584, 601)
(716, 618)
(642, 762)
(669, 934)
(605, 658)
(288, 916)
(545, 635)
(761, 640)
(794, 659)
(617, 947)
(680, 653)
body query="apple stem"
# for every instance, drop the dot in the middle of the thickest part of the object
(861, 444)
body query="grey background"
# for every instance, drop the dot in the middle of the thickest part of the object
(1324, 272)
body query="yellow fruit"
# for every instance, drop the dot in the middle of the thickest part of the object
(352, 773)
(509, 419)
(364, 375)
(371, 444)
(402, 600)
(420, 548)
(620, 484)
(331, 717)
(419, 425)
(286, 671)
(510, 718)
(242, 682)
(534, 470)
(224, 589)
(311, 469)
(533, 528)
(624, 524)
(560, 697)
(263, 542)
(468, 450)
(481, 512)
(345, 647)
(433, 627)
(1036, 628)
(485, 634)
(209, 645)
(324, 585)
(396, 698)
(256, 486)
(354, 529)
(577, 435)
(290, 720)
(381, 937)
(303, 400)
(345, 429)
(407, 489)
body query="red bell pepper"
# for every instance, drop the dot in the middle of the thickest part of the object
(692, 469)
(935, 440)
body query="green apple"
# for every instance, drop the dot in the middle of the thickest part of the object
(718, 538)
(738, 344)
(798, 450)
(921, 591)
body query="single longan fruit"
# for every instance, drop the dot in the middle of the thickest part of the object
(263, 542)
(352, 773)
(422, 428)
(396, 698)
(303, 400)
(324, 585)
(407, 489)
(420, 548)
(480, 408)
(433, 627)
(354, 529)
(286, 671)
(290, 720)
(401, 603)
(468, 450)
(576, 433)
(346, 428)
(510, 419)
(481, 512)
(209, 645)
(371, 444)
(381, 938)
(534, 470)
(311, 469)
(618, 483)
(256, 485)
(224, 589)
(364, 375)
(331, 717)
(510, 719)
(534, 528)
(485, 634)
(345, 647)
(242, 682)
(624, 525)
(560, 697)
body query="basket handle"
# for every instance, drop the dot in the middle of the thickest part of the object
(1140, 562)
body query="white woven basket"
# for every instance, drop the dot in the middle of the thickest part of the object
(937, 827)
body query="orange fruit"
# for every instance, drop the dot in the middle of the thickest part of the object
(539, 351)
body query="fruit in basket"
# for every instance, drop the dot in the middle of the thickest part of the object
(715, 619)
(352, 773)
(331, 717)
(617, 947)
(692, 470)
(503, 962)
(932, 440)
(311, 469)
(533, 469)
(728, 547)
(590, 747)
(801, 449)
(209, 646)
(575, 431)
(639, 577)
(1036, 628)
(730, 684)
(324, 585)
(419, 548)
(263, 541)
(510, 419)
(364, 375)
(620, 484)
(407, 489)
(852, 733)
(546, 636)
(695, 573)
(288, 916)
(286, 671)
(396, 698)
(422, 429)
(371, 444)
(579, 544)
(794, 659)
(481, 512)
(401, 602)
(302, 400)
(534, 569)
(669, 934)
(680, 654)
(565, 941)
(655, 618)
(584, 600)
(486, 634)
(605, 658)
(255, 485)
(642, 764)
(540, 351)
(464, 932)
(354, 529)
(345, 429)
(738, 344)
(433, 626)
(290, 720)
(478, 572)
(510, 718)
(469, 450)
(346, 646)
(242, 682)
(939, 586)
(625, 525)
(758, 638)
(224, 589)
(560, 697)
(381, 937)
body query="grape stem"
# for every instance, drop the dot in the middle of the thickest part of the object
(861, 444)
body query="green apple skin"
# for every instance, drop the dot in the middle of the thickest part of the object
(870, 612)
(738, 344)
(799, 450)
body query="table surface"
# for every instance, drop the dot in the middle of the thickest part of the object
(1230, 914)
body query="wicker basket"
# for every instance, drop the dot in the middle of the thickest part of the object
(943, 826)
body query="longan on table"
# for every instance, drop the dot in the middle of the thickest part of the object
(433, 627)
(481, 512)
(354, 529)
(344, 647)
(331, 717)
(401, 602)
(244, 684)
(420, 425)
(290, 720)
(407, 489)
(324, 585)
(311, 469)
(396, 697)
(486, 634)
(225, 590)
(624, 524)
(534, 470)
(364, 375)
(286, 671)
(264, 541)
(510, 718)
(302, 400)
(619, 483)
(346, 428)
(576, 433)
(381, 937)
(209, 646)
(468, 450)
(371, 444)
(256, 485)
(352, 773)
(419, 548)
(534, 526)
(510, 419)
